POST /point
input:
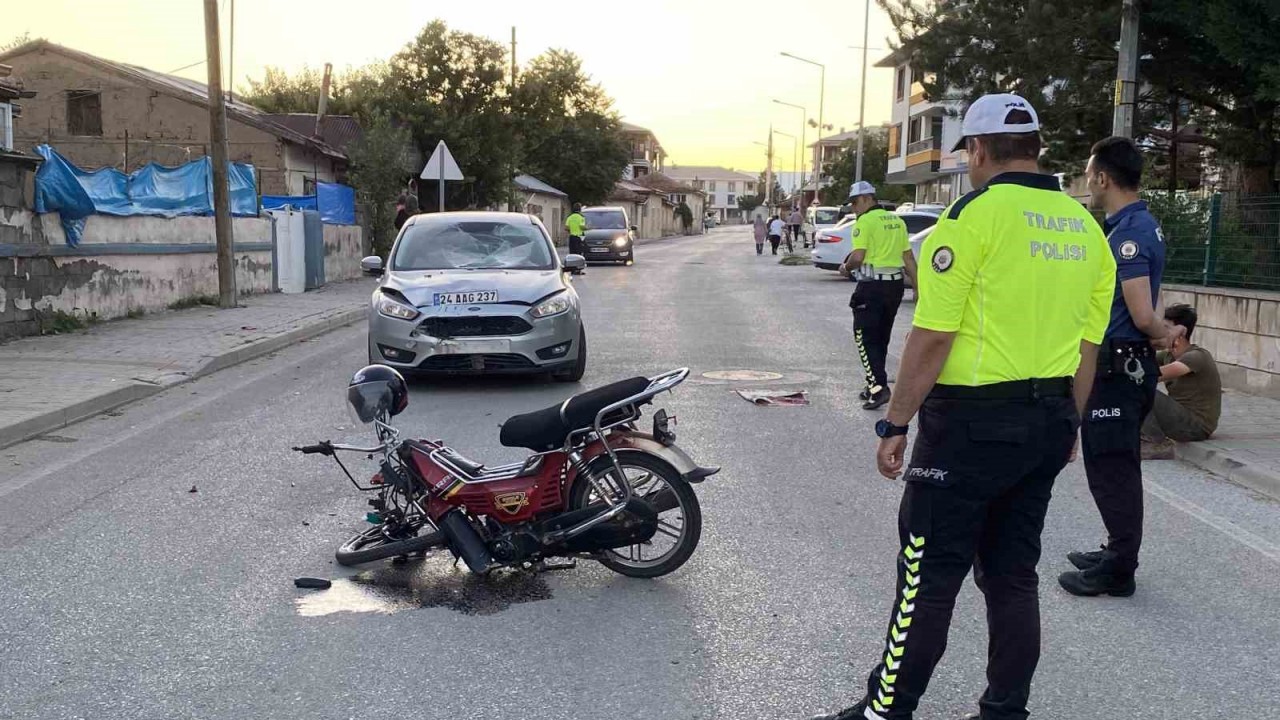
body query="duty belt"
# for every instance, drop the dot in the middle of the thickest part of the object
(870, 272)
(1032, 389)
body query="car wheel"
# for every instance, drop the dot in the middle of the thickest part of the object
(579, 367)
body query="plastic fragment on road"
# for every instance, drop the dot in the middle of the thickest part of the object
(312, 583)
(774, 398)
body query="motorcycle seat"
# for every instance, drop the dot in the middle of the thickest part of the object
(546, 429)
(470, 467)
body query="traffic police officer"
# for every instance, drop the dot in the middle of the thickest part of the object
(881, 255)
(1125, 385)
(576, 224)
(1016, 285)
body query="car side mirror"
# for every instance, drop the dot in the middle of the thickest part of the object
(372, 265)
(574, 263)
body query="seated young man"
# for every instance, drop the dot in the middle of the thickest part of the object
(1190, 410)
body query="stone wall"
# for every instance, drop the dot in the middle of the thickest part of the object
(123, 266)
(1241, 328)
(343, 248)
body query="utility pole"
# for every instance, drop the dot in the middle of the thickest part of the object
(218, 153)
(1127, 72)
(862, 91)
(769, 172)
(515, 150)
(324, 98)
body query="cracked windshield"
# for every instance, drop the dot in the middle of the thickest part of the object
(838, 360)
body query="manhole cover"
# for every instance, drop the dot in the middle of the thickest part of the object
(742, 375)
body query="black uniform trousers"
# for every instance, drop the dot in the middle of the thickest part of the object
(977, 490)
(575, 245)
(1111, 441)
(875, 305)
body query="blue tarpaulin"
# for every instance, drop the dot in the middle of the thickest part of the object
(150, 190)
(335, 201)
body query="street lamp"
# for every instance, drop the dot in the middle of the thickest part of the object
(822, 96)
(804, 121)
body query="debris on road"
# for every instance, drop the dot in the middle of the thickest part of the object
(774, 398)
(193, 489)
(312, 583)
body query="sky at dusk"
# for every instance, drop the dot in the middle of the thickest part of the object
(702, 75)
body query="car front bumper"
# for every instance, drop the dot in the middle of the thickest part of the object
(607, 253)
(550, 344)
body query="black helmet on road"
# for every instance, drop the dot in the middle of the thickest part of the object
(377, 389)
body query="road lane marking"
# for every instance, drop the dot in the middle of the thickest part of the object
(1221, 524)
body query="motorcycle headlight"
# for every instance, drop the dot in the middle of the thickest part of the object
(552, 306)
(395, 309)
(620, 241)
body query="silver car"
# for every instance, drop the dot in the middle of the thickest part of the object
(476, 292)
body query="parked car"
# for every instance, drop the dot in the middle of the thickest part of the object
(835, 244)
(476, 292)
(822, 217)
(610, 235)
(917, 241)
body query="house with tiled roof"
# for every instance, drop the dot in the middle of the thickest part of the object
(105, 113)
(723, 187)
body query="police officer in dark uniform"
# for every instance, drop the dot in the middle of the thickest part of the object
(880, 259)
(1016, 286)
(1125, 385)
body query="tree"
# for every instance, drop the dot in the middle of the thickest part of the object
(280, 92)
(378, 173)
(875, 167)
(685, 213)
(1063, 62)
(566, 128)
(762, 182)
(748, 203)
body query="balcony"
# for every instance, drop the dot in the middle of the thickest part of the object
(925, 150)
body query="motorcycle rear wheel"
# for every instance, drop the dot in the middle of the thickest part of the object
(372, 544)
(648, 475)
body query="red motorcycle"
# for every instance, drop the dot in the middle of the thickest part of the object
(595, 487)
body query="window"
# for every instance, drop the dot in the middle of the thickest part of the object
(900, 82)
(733, 199)
(711, 186)
(750, 187)
(84, 112)
(733, 186)
(442, 242)
(915, 130)
(895, 140)
(6, 126)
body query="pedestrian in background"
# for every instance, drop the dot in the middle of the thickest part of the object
(402, 213)
(1124, 388)
(796, 224)
(999, 382)
(775, 233)
(761, 231)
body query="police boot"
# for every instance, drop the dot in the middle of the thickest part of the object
(857, 712)
(865, 395)
(878, 399)
(1104, 578)
(1083, 560)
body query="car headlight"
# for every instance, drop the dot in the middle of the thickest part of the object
(552, 306)
(395, 309)
(620, 241)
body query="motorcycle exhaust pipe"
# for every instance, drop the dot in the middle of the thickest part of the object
(465, 542)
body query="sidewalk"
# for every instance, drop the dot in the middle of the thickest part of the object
(1246, 447)
(49, 382)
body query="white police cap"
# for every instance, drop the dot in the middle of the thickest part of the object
(989, 115)
(862, 187)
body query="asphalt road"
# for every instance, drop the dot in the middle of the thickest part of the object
(124, 594)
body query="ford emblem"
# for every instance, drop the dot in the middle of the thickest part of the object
(474, 309)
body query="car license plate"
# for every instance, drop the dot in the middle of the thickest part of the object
(599, 249)
(473, 347)
(466, 298)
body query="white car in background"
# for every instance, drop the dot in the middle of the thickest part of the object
(835, 244)
(821, 217)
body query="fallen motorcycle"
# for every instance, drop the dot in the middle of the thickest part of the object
(596, 486)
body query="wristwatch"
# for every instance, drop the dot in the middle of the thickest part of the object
(886, 429)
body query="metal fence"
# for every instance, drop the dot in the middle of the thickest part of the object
(1223, 240)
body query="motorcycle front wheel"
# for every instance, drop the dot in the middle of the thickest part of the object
(374, 544)
(679, 516)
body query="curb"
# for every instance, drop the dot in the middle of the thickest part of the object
(1220, 462)
(62, 417)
